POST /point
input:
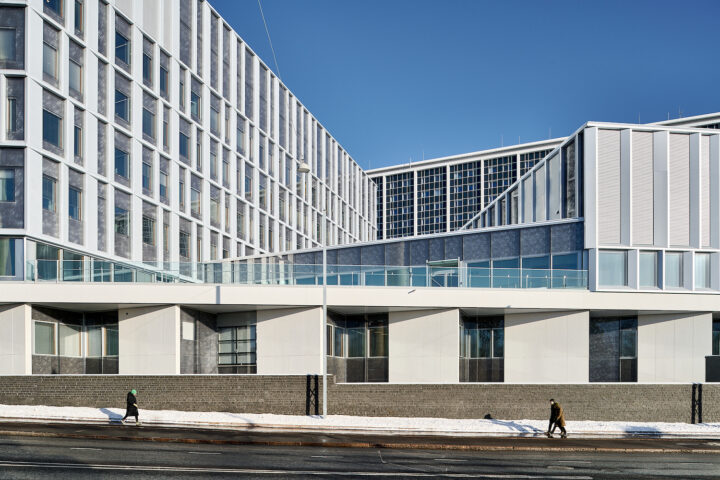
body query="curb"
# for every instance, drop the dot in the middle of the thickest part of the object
(331, 444)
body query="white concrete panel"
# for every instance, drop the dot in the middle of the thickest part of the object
(149, 340)
(609, 185)
(547, 347)
(289, 341)
(151, 18)
(424, 346)
(15, 340)
(672, 347)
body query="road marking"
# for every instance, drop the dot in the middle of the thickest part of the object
(253, 471)
(205, 453)
(449, 460)
(84, 448)
(575, 461)
(326, 456)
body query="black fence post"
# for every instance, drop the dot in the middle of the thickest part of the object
(697, 403)
(311, 395)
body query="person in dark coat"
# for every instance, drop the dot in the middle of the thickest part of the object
(132, 408)
(557, 419)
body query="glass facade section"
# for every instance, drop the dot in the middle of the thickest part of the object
(500, 173)
(673, 270)
(702, 270)
(431, 200)
(7, 185)
(529, 159)
(52, 129)
(399, 203)
(612, 268)
(482, 348)
(648, 270)
(613, 349)
(237, 347)
(465, 193)
(49, 193)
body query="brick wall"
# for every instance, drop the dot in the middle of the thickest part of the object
(289, 395)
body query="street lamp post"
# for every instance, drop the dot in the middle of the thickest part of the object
(305, 168)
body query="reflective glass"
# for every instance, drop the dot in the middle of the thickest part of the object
(52, 126)
(49, 60)
(702, 270)
(7, 44)
(673, 270)
(122, 48)
(69, 340)
(75, 204)
(7, 185)
(44, 338)
(48, 193)
(94, 341)
(75, 77)
(111, 342)
(7, 257)
(612, 268)
(648, 269)
(121, 163)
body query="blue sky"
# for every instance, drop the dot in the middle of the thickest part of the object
(399, 79)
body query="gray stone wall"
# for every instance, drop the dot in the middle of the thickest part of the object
(289, 395)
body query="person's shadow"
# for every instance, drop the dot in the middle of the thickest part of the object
(112, 416)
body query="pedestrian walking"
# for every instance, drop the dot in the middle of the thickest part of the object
(557, 419)
(132, 408)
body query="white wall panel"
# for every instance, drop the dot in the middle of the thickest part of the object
(642, 189)
(540, 194)
(554, 183)
(705, 191)
(289, 341)
(608, 174)
(679, 189)
(149, 341)
(527, 195)
(15, 340)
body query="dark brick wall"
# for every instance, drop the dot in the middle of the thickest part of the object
(289, 395)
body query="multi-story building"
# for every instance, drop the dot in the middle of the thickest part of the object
(161, 139)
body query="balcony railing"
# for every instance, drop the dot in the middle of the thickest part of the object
(290, 274)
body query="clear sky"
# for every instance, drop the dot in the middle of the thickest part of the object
(399, 79)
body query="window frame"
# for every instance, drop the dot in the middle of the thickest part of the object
(55, 56)
(11, 117)
(6, 183)
(13, 43)
(148, 221)
(53, 200)
(78, 194)
(126, 46)
(126, 156)
(54, 338)
(59, 128)
(125, 102)
(124, 220)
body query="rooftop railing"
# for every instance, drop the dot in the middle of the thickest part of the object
(292, 274)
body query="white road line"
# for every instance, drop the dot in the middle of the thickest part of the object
(205, 453)
(84, 448)
(449, 460)
(326, 456)
(82, 466)
(586, 462)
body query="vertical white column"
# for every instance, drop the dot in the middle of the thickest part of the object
(625, 182)
(415, 205)
(660, 187)
(715, 191)
(448, 196)
(590, 182)
(695, 190)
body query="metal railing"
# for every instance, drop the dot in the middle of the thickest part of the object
(94, 271)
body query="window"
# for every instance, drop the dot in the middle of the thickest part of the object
(7, 185)
(50, 55)
(213, 165)
(148, 232)
(195, 201)
(214, 210)
(166, 135)
(673, 270)
(75, 203)
(11, 115)
(716, 337)
(612, 268)
(648, 270)
(122, 221)
(69, 340)
(147, 69)
(7, 257)
(75, 77)
(163, 184)
(181, 192)
(184, 244)
(122, 48)
(122, 163)
(44, 338)
(702, 270)
(148, 123)
(613, 349)
(79, 23)
(55, 6)
(122, 106)
(184, 146)
(52, 129)
(7, 44)
(147, 176)
(195, 104)
(214, 120)
(164, 81)
(248, 183)
(49, 194)
(77, 141)
(237, 347)
(240, 133)
(182, 90)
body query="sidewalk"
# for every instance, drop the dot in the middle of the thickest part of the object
(340, 424)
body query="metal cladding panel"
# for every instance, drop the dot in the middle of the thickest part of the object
(608, 184)
(505, 243)
(527, 187)
(540, 194)
(554, 185)
(476, 246)
(705, 191)
(642, 189)
(419, 252)
(679, 186)
(453, 247)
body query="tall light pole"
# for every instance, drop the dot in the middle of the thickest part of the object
(305, 168)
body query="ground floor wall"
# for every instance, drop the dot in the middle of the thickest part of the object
(300, 395)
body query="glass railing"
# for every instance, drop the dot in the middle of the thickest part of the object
(94, 271)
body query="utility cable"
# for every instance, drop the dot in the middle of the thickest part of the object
(267, 30)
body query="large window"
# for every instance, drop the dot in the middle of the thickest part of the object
(237, 347)
(49, 193)
(122, 106)
(69, 337)
(148, 123)
(122, 221)
(102, 341)
(184, 244)
(75, 203)
(78, 141)
(79, 22)
(612, 268)
(122, 163)
(164, 79)
(44, 338)
(7, 257)
(122, 48)
(613, 349)
(702, 270)
(716, 336)
(195, 201)
(195, 107)
(147, 176)
(482, 349)
(55, 6)
(7, 184)
(362, 342)
(76, 84)
(648, 270)
(8, 50)
(52, 129)
(673, 269)
(12, 114)
(50, 60)
(148, 233)
(147, 69)
(163, 185)
(184, 145)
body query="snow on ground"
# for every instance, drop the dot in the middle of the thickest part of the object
(343, 423)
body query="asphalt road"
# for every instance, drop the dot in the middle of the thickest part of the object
(83, 458)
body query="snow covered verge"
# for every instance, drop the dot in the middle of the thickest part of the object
(348, 424)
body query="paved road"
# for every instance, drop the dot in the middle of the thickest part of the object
(81, 458)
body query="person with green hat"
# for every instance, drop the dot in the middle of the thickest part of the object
(132, 408)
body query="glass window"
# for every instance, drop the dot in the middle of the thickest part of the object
(214, 120)
(673, 269)
(75, 77)
(195, 201)
(164, 80)
(94, 341)
(166, 135)
(214, 210)
(148, 233)
(12, 115)
(7, 184)
(149, 123)
(52, 129)
(7, 44)
(54, 5)
(184, 244)
(122, 221)
(69, 336)
(49, 194)
(213, 165)
(237, 345)
(356, 342)
(44, 338)
(147, 176)
(122, 106)
(648, 269)
(612, 268)
(111, 341)
(378, 340)
(181, 93)
(163, 185)
(77, 141)
(75, 204)
(122, 48)
(195, 107)
(147, 68)
(7, 257)
(716, 337)
(181, 192)
(50, 60)
(79, 23)
(184, 145)
(702, 270)
(122, 163)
